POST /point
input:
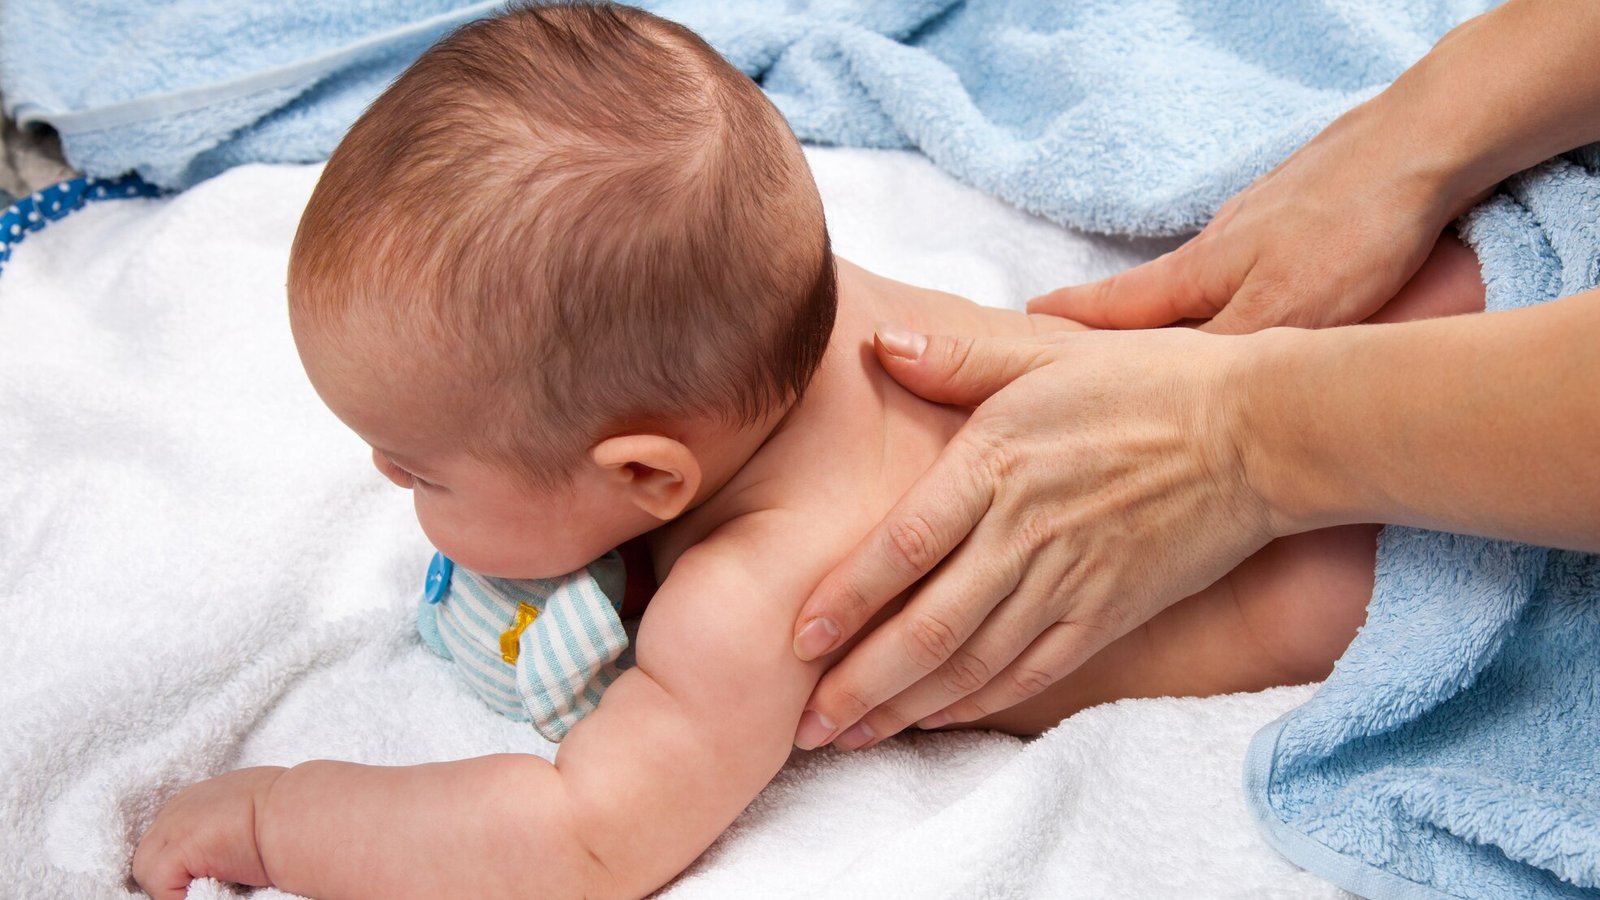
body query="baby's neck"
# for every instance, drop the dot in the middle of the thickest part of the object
(849, 390)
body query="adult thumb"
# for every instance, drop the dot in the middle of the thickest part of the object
(1251, 309)
(956, 369)
(1157, 293)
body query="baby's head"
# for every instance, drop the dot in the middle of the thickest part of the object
(564, 276)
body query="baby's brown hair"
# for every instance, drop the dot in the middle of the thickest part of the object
(586, 211)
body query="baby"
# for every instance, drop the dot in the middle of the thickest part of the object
(569, 277)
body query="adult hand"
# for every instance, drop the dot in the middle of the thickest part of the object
(1098, 483)
(1324, 239)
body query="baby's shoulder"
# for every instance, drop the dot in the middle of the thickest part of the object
(755, 569)
(734, 594)
(779, 547)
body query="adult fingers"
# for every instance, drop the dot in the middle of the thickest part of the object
(1063, 647)
(1003, 636)
(1242, 316)
(932, 517)
(947, 608)
(1156, 293)
(957, 369)
(1266, 302)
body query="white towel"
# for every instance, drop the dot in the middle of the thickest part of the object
(199, 569)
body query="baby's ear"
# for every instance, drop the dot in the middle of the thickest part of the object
(655, 473)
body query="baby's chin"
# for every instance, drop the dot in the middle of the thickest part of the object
(538, 572)
(518, 567)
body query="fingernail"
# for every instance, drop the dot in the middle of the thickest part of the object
(855, 736)
(936, 720)
(816, 639)
(814, 731)
(901, 342)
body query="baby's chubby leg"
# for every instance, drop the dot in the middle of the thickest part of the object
(1284, 615)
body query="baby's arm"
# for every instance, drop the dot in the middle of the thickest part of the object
(678, 747)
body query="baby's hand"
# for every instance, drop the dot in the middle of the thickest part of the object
(207, 831)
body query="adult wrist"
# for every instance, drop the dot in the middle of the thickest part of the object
(1279, 379)
(1499, 93)
(1442, 165)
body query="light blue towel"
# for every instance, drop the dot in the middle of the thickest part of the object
(179, 91)
(1115, 116)
(1455, 749)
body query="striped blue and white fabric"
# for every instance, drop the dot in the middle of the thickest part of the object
(540, 651)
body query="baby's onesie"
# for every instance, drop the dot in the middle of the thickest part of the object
(538, 651)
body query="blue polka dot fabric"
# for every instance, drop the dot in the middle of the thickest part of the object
(35, 211)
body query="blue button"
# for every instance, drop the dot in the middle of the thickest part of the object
(438, 584)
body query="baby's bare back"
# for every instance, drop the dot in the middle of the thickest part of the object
(859, 441)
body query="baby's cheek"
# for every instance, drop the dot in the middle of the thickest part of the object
(444, 531)
(510, 539)
(479, 542)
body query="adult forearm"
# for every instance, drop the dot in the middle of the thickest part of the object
(494, 826)
(1501, 92)
(1482, 424)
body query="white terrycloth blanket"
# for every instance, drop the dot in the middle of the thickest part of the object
(199, 569)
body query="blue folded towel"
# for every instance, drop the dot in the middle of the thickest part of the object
(1455, 749)
(1114, 116)
(179, 91)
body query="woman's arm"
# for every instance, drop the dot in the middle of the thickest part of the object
(1484, 424)
(1500, 93)
(1331, 233)
(1101, 482)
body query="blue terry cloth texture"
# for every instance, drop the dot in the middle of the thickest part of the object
(1453, 751)
(1108, 115)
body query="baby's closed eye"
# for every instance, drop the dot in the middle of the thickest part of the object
(394, 473)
